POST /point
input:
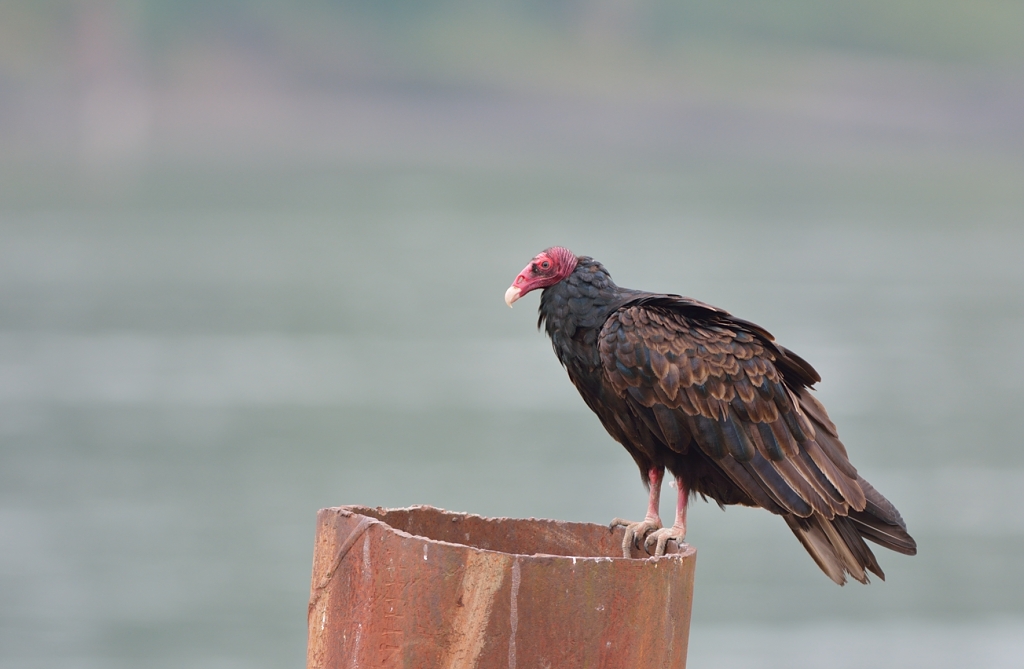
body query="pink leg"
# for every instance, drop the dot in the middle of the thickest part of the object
(677, 532)
(682, 497)
(636, 532)
(655, 475)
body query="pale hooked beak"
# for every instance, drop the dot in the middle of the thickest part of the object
(512, 294)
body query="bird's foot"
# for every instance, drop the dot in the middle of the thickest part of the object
(660, 538)
(635, 532)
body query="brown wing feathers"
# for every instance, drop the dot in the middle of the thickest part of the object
(744, 401)
(722, 385)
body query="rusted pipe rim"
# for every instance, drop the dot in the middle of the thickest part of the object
(556, 530)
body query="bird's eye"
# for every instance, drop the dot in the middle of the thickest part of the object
(545, 265)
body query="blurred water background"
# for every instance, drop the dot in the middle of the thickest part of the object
(252, 259)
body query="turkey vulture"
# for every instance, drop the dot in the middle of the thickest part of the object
(687, 386)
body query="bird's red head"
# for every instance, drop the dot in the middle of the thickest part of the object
(546, 269)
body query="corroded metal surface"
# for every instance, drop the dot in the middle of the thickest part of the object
(422, 588)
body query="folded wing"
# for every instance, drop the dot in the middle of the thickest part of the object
(692, 374)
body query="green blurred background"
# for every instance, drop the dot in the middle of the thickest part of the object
(252, 258)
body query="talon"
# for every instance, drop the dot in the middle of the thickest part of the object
(635, 532)
(661, 537)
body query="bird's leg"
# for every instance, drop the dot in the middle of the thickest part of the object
(635, 532)
(677, 532)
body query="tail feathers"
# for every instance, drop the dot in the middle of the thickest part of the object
(838, 546)
(893, 537)
(830, 550)
(854, 542)
(880, 507)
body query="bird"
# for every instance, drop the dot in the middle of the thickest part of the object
(688, 387)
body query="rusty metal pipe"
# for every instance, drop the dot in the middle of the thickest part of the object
(422, 587)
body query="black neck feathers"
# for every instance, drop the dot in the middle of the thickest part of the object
(573, 310)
